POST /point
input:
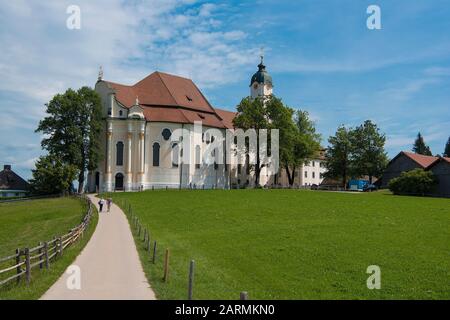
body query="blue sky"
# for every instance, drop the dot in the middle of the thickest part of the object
(320, 53)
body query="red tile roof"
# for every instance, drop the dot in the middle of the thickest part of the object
(227, 117)
(438, 160)
(423, 161)
(169, 98)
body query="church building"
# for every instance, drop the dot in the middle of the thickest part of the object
(139, 120)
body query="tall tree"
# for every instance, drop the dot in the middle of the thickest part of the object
(306, 143)
(72, 129)
(368, 156)
(253, 114)
(447, 148)
(420, 147)
(281, 118)
(338, 155)
(52, 176)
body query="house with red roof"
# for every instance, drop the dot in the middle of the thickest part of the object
(405, 161)
(441, 169)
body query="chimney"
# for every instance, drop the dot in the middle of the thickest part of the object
(7, 167)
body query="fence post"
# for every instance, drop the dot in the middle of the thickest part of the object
(191, 279)
(19, 268)
(147, 245)
(244, 295)
(40, 256)
(46, 254)
(166, 266)
(60, 246)
(154, 253)
(27, 265)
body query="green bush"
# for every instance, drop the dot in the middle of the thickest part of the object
(416, 182)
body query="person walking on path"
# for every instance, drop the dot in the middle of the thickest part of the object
(108, 204)
(100, 204)
(106, 273)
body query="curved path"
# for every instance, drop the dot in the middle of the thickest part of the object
(109, 264)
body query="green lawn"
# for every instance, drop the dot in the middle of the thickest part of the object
(25, 224)
(289, 244)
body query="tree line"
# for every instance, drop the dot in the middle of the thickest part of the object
(356, 152)
(73, 123)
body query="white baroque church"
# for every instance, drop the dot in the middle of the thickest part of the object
(139, 154)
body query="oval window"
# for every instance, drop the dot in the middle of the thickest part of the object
(166, 134)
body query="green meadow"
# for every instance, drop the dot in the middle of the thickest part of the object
(25, 224)
(290, 244)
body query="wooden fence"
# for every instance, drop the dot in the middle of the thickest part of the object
(24, 260)
(144, 236)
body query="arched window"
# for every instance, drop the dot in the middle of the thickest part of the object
(197, 157)
(175, 155)
(119, 153)
(156, 148)
(119, 181)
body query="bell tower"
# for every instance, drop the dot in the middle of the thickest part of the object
(261, 83)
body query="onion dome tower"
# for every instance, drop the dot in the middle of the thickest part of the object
(261, 83)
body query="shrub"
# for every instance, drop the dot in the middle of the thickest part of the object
(417, 182)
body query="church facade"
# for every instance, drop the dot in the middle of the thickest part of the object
(137, 143)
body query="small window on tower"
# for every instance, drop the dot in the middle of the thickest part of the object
(120, 113)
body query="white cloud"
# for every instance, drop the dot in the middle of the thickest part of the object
(206, 9)
(406, 91)
(41, 57)
(130, 41)
(437, 71)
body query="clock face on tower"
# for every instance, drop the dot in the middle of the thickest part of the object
(255, 86)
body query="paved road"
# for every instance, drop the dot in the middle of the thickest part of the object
(109, 264)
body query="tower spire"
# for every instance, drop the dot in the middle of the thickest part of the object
(261, 54)
(100, 74)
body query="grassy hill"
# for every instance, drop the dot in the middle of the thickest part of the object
(289, 244)
(25, 224)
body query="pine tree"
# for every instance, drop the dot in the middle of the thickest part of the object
(420, 147)
(447, 148)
